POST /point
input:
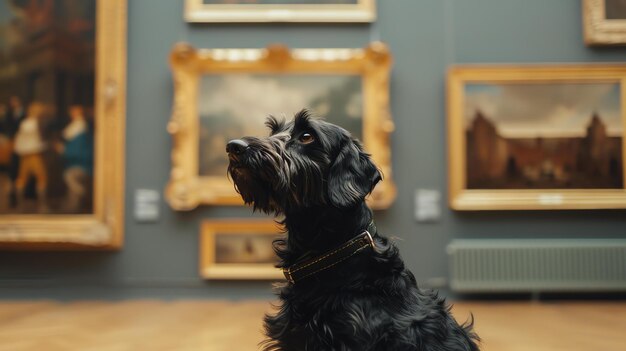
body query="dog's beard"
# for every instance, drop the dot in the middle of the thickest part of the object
(259, 176)
(273, 182)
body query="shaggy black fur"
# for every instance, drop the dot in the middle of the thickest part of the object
(317, 176)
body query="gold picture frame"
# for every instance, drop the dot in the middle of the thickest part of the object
(199, 11)
(103, 228)
(370, 67)
(506, 150)
(600, 30)
(246, 250)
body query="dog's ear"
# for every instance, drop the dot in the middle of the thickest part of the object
(274, 124)
(352, 176)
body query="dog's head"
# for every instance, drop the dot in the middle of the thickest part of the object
(303, 163)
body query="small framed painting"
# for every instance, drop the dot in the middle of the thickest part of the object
(532, 137)
(604, 22)
(224, 94)
(280, 10)
(239, 249)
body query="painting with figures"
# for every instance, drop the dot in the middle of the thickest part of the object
(47, 77)
(233, 105)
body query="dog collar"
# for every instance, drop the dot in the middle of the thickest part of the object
(307, 268)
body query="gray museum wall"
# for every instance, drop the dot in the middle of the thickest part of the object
(160, 259)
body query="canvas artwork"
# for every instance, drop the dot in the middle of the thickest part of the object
(47, 77)
(544, 136)
(536, 137)
(244, 248)
(62, 119)
(225, 94)
(239, 249)
(229, 107)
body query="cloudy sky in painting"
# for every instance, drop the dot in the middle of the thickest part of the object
(547, 110)
(251, 98)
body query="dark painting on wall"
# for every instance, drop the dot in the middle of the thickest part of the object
(233, 105)
(47, 60)
(543, 136)
(615, 9)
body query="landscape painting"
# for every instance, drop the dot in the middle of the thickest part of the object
(234, 105)
(543, 136)
(239, 249)
(536, 137)
(244, 248)
(225, 94)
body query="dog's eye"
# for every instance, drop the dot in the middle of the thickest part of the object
(306, 138)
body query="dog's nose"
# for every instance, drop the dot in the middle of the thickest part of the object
(236, 147)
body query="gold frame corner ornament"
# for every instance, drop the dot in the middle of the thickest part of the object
(464, 199)
(186, 189)
(104, 228)
(597, 29)
(198, 11)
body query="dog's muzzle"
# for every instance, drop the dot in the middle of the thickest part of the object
(236, 148)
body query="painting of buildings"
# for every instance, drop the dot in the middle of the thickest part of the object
(555, 136)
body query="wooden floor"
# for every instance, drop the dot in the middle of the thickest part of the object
(216, 326)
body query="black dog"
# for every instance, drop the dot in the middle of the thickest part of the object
(347, 286)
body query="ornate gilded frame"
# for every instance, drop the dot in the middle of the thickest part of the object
(210, 269)
(362, 11)
(187, 189)
(598, 30)
(103, 229)
(462, 198)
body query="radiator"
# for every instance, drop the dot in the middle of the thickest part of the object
(501, 265)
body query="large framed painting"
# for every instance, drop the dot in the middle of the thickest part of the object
(239, 249)
(536, 137)
(604, 22)
(280, 10)
(62, 102)
(224, 94)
